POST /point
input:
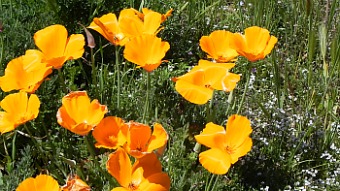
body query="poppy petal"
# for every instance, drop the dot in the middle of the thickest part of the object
(193, 93)
(156, 182)
(149, 163)
(273, 40)
(215, 161)
(238, 129)
(158, 138)
(242, 150)
(41, 182)
(75, 46)
(119, 166)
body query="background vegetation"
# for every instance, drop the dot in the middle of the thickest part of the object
(293, 99)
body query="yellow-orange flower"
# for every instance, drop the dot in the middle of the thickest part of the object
(57, 47)
(110, 133)
(217, 45)
(39, 183)
(25, 73)
(197, 86)
(132, 25)
(146, 51)
(226, 146)
(74, 183)
(108, 27)
(140, 141)
(255, 44)
(18, 109)
(78, 114)
(145, 174)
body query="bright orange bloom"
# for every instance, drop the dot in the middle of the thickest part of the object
(74, 183)
(108, 27)
(227, 146)
(78, 114)
(255, 44)
(110, 133)
(217, 45)
(140, 141)
(18, 109)
(57, 47)
(145, 174)
(146, 51)
(197, 86)
(39, 183)
(132, 25)
(25, 73)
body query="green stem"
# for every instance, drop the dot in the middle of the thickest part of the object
(62, 81)
(209, 110)
(94, 73)
(13, 145)
(244, 92)
(118, 76)
(36, 144)
(207, 188)
(147, 101)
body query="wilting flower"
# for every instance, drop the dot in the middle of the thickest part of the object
(217, 45)
(39, 183)
(18, 109)
(108, 27)
(133, 26)
(145, 174)
(197, 86)
(255, 44)
(74, 183)
(25, 73)
(110, 133)
(140, 141)
(57, 47)
(78, 114)
(146, 51)
(226, 146)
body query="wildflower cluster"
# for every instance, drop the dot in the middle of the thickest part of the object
(137, 33)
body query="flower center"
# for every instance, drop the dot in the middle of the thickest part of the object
(132, 186)
(230, 150)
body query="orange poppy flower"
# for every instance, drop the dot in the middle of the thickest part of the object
(74, 183)
(140, 141)
(145, 174)
(110, 133)
(39, 183)
(78, 114)
(108, 27)
(255, 44)
(217, 45)
(57, 47)
(226, 146)
(146, 51)
(18, 109)
(132, 25)
(197, 86)
(25, 73)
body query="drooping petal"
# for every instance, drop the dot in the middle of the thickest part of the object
(212, 136)
(193, 93)
(110, 133)
(39, 183)
(119, 166)
(215, 161)
(158, 138)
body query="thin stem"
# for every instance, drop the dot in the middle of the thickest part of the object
(209, 110)
(118, 76)
(147, 101)
(94, 73)
(13, 145)
(244, 92)
(36, 144)
(207, 188)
